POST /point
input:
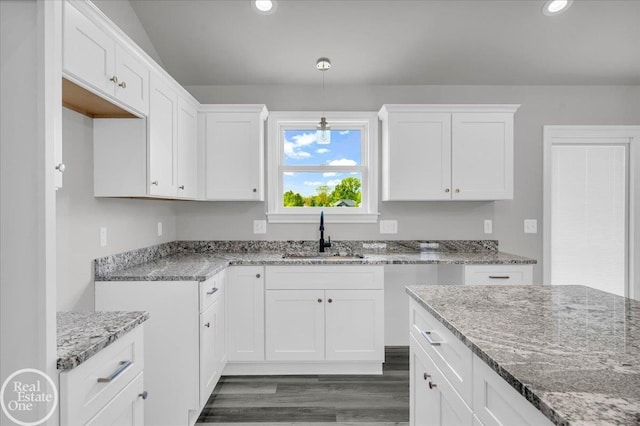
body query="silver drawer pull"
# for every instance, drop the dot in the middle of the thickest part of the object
(433, 341)
(213, 290)
(143, 395)
(123, 366)
(499, 277)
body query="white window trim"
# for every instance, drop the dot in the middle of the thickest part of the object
(367, 212)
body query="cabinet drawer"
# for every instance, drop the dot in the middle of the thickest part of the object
(83, 395)
(498, 274)
(451, 356)
(496, 403)
(435, 400)
(323, 277)
(210, 290)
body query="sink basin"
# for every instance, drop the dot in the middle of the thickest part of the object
(323, 256)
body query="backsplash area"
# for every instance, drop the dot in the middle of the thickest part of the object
(108, 264)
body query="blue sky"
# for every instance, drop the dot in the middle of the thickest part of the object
(302, 147)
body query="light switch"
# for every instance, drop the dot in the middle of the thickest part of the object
(530, 226)
(259, 226)
(388, 226)
(103, 237)
(159, 229)
(488, 226)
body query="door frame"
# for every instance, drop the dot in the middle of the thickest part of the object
(627, 135)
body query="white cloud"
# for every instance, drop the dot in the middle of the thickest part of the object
(334, 182)
(342, 162)
(292, 149)
(313, 183)
(329, 174)
(344, 132)
(289, 173)
(323, 150)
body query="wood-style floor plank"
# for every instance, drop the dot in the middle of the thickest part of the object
(314, 400)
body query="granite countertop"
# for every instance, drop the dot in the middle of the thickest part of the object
(573, 351)
(202, 266)
(83, 334)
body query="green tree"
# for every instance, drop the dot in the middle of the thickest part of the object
(347, 189)
(323, 199)
(293, 199)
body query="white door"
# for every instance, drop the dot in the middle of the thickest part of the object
(482, 156)
(187, 150)
(295, 325)
(163, 135)
(417, 157)
(422, 403)
(208, 364)
(355, 325)
(234, 154)
(245, 313)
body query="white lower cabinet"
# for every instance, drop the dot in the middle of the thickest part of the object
(184, 341)
(450, 385)
(108, 388)
(245, 314)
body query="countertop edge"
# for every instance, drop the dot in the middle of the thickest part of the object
(513, 381)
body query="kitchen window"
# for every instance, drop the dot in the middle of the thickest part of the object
(334, 171)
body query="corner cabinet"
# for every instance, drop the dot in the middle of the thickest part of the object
(447, 152)
(234, 145)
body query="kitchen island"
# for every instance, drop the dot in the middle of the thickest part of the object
(572, 352)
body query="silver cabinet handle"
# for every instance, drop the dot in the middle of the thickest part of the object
(432, 341)
(432, 385)
(213, 290)
(123, 85)
(61, 167)
(499, 277)
(123, 366)
(319, 300)
(155, 182)
(457, 190)
(181, 187)
(257, 275)
(114, 79)
(426, 375)
(143, 395)
(208, 325)
(447, 190)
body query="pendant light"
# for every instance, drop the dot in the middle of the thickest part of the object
(323, 128)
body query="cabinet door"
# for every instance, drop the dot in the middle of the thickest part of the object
(133, 81)
(163, 109)
(295, 325)
(245, 313)
(187, 150)
(88, 53)
(421, 404)
(125, 409)
(355, 325)
(417, 157)
(234, 159)
(482, 156)
(208, 365)
(220, 325)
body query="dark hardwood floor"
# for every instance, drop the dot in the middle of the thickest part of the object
(377, 400)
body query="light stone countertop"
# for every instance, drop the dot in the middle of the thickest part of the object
(572, 351)
(202, 266)
(81, 335)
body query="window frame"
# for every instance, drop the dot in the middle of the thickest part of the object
(366, 122)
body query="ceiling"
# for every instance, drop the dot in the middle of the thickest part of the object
(395, 42)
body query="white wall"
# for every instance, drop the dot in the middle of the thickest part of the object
(123, 15)
(420, 220)
(130, 223)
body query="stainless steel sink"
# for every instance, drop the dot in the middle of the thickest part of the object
(323, 256)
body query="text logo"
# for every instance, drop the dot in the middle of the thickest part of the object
(28, 397)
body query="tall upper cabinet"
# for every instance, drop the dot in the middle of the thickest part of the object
(447, 152)
(234, 144)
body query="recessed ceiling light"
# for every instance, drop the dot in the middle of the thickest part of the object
(264, 6)
(556, 7)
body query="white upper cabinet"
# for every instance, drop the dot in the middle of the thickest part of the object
(187, 150)
(234, 143)
(93, 59)
(447, 152)
(163, 139)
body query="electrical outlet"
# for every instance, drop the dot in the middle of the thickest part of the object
(530, 226)
(159, 229)
(488, 226)
(259, 226)
(103, 237)
(388, 226)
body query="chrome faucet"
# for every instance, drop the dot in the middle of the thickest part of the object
(323, 244)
